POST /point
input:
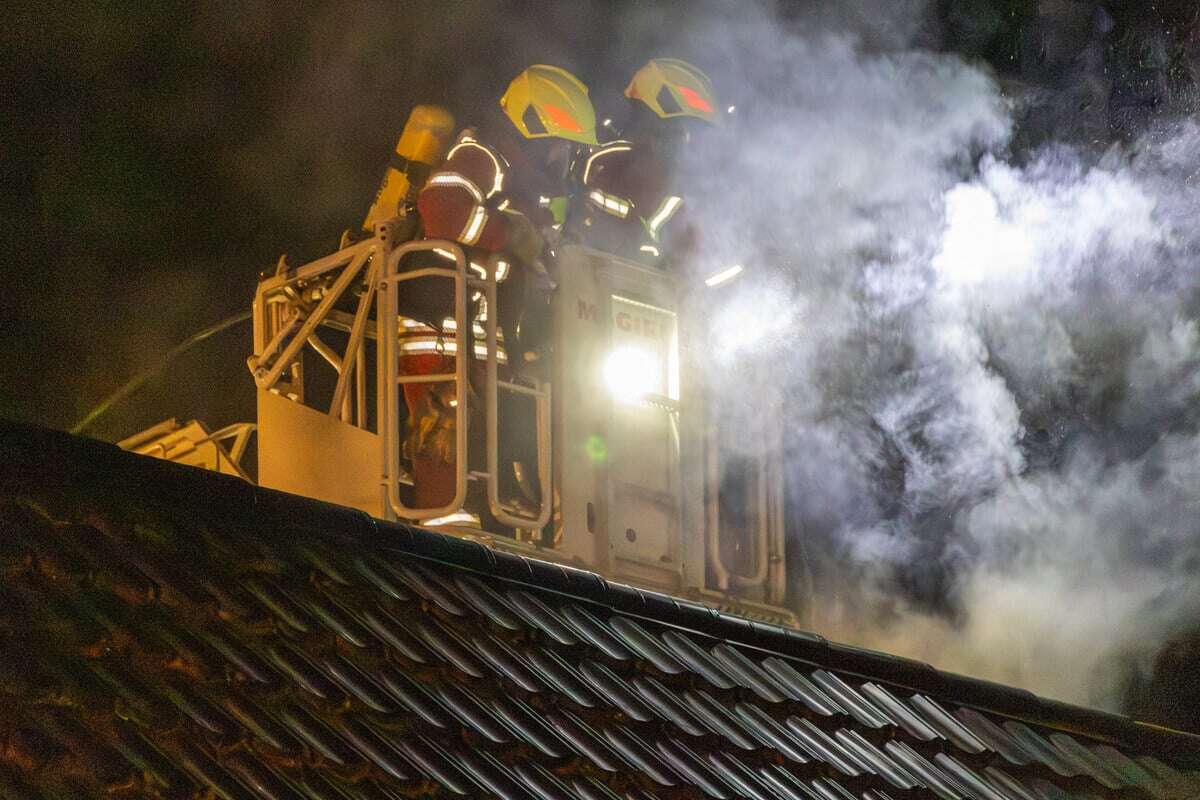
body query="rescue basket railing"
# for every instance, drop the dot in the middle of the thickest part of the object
(293, 307)
(540, 393)
(388, 322)
(767, 512)
(284, 325)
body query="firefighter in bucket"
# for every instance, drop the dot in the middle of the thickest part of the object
(487, 196)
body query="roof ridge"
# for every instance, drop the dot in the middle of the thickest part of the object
(37, 455)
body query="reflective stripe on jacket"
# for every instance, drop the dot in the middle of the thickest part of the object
(463, 200)
(625, 181)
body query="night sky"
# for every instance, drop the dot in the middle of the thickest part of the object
(157, 157)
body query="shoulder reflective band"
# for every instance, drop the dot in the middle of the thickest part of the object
(498, 180)
(650, 249)
(474, 227)
(609, 204)
(668, 207)
(454, 179)
(615, 147)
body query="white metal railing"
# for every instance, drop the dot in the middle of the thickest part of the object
(283, 326)
(388, 321)
(768, 524)
(292, 306)
(169, 440)
(541, 398)
(291, 329)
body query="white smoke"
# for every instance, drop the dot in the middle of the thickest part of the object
(992, 363)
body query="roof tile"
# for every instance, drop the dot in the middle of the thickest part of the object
(171, 633)
(596, 633)
(698, 659)
(644, 643)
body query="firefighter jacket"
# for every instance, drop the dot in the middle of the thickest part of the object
(470, 199)
(627, 182)
(465, 200)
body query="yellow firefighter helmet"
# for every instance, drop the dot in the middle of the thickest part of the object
(546, 101)
(674, 88)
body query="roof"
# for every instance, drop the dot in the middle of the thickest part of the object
(169, 632)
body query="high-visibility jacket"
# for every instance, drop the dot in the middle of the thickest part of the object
(627, 182)
(418, 338)
(470, 198)
(464, 199)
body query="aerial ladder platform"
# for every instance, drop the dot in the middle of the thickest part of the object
(637, 475)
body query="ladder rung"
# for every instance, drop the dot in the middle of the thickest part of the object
(439, 378)
(521, 389)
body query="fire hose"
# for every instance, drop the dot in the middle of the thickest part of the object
(136, 382)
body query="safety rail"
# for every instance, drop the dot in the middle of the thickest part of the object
(541, 397)
(388, 322)
(279, 340)
(344, 304)
(171, 441)
(292, 306)
(768, 525)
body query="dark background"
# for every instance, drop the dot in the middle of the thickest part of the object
(156, 157)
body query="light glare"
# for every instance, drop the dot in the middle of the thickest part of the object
(631, 373)
(724, 276)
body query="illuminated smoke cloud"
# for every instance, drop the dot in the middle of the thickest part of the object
(992, 365)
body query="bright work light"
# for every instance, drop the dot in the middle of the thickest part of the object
(631, 373)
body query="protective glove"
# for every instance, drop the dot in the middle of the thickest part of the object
(524, 242)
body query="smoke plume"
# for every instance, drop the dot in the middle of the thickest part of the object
(991, 357)
(989, 353)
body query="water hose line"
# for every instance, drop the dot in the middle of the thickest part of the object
(136, 382)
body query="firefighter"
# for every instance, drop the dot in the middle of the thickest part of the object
(487, 197)
(627, 195)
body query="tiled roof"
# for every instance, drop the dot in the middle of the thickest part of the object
(173, 633)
